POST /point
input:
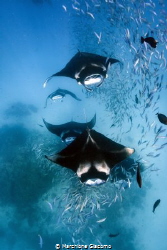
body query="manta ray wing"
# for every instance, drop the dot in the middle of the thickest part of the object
(98, 60)
(72, 67)
(113, 152)
(70, 156)
(70, 126)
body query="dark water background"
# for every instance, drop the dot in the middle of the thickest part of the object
(38, 37)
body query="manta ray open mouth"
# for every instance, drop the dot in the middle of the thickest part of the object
(56, 97)
(69, 139)
(94, 182)
(94, 79)
(94, 179)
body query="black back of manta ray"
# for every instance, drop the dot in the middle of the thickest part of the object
(90, 147)
(70, 127)
(83, 59)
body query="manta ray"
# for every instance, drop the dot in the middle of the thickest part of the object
(70, 130)
(59, 94)
(86, 68)
(91, 156)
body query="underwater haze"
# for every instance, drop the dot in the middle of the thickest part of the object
(43, 204)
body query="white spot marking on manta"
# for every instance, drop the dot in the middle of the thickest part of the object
(78, 73)
(83, 168)
(90, 138)
(102, 167)
(130, 151)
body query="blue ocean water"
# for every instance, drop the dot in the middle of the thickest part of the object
(41, 203)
